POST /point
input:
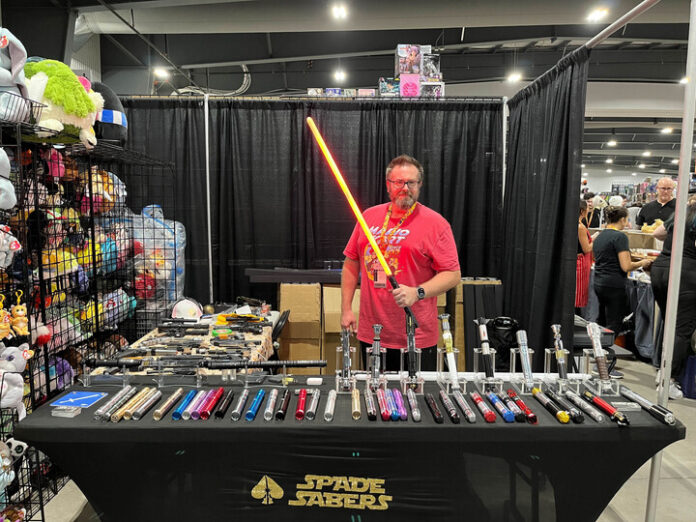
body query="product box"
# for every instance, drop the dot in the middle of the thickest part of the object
(315, 91)
(409, 59)
(300, 350)
(304, 303)
(367, 93)
(331, 302)
(432, 89)
(333, 91)
(431, 68)
(388, 86)
(409, 85)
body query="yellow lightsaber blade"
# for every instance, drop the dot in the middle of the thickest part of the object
(349, 196)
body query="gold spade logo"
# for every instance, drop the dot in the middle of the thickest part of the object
(267, 489)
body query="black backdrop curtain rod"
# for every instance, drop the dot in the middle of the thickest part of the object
(416, 101)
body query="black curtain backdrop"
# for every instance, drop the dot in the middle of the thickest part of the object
(274, 200)
(541, 201)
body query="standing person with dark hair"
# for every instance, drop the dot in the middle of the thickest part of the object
(419, 247)
(593, 214)
(612, 263)
(584, 260)
(662, 208)
(686, 309)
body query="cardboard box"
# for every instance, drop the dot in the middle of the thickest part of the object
(304, 303)
(331, 303)
(298, 350)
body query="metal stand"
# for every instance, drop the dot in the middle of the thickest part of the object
(549, 355)
(478, 358)
(345, 381)
(486, 385)
(574, 385)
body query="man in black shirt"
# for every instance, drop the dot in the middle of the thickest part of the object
(662, 208)
(592, 218)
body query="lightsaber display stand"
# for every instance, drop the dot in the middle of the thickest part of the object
(411, 379)
(444, 377)
(562, 385)
(595, 385)
(483, 383)
(376, 357)
(345, 379)
(517, 379)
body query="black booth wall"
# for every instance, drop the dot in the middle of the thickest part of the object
(541, 200)
(274, 201)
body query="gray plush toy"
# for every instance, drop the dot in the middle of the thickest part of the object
(8, 199)
(14, 105)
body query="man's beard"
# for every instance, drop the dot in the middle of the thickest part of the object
(405, 202)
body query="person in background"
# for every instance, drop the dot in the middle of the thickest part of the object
(419, 247)
(686, 308)
(584, 261)
(662, 208)
(592, 217)
(612, 264)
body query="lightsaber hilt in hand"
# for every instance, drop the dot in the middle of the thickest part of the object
(485, 349)
(560, 352)
(345, 344)
(449, 351)
(600, 358)
(524, 356)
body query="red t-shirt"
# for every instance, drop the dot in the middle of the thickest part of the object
(419, 249)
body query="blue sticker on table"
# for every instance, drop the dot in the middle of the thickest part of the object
(79, 399)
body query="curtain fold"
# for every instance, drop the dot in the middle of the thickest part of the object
(274, 202)
(541, 193)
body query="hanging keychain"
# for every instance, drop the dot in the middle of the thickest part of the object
(20, 323)
(5, 320)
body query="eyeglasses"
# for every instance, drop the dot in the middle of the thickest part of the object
(664, 188)
(399, 183)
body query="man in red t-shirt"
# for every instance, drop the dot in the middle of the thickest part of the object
(419, 247)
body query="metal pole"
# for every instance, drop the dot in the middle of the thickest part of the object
(506, 113)
(675, 266)
(207, 196)
(618, 24)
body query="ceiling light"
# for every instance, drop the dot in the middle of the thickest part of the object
(514, 77)
(667, 130)
(582, 166)
(339, 11)
(161, 73)
(647, 153)
(608, 160)
(641, 166)
(675, 161)
(339, 75)
(633, 174)
(684, 80)
(597, 14)
(611, 143)
(609, 171)
(584, 173)
(662, 171)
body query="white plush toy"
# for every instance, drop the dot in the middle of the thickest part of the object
(8, 198)
(13, 361)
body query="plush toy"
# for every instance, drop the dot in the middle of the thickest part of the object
(7, 474)
(111, 124)
(54, 160)
(69, 106)
(40, 333)
(20, 322)
(9, 246)
(99, 193)
(5, 320)
(13, 361)
(59, 261)
(13, 91)
(8, 198)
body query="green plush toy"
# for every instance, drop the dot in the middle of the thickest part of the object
(71, 104)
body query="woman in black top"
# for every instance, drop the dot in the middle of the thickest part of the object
(686, 310)
(612, 263)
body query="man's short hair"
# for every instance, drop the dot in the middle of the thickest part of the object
(588, 195)
(405, 159)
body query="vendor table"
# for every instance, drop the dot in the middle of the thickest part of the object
(345, 470)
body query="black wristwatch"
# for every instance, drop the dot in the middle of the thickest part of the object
(421, 293)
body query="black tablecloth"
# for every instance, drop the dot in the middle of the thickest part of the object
(346, 470)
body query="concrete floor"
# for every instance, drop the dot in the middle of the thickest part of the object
(677, 487)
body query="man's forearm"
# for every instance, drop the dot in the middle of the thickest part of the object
(349, 282)
(441, 282)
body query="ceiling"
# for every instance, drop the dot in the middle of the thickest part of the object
(277, 47)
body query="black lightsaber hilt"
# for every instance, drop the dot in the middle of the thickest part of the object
(409, 312)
